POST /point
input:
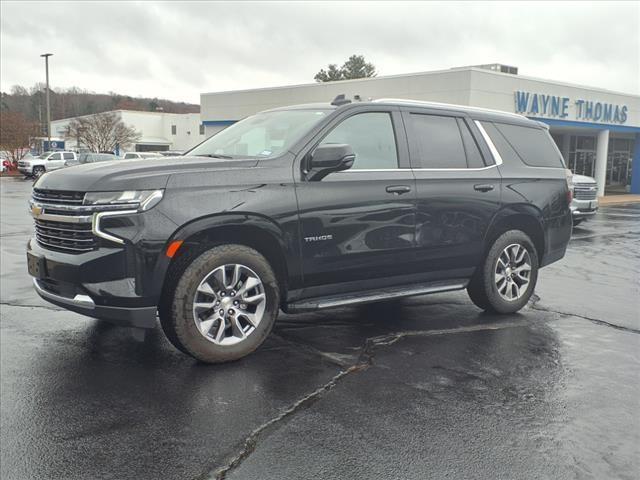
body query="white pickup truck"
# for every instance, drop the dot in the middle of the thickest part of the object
(48, 161)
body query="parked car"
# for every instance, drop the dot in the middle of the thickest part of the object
(302, 208)
(132, 155)
(92, 158)
(48, 161)
(585, 198)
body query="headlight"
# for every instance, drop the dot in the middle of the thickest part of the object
(141, 200)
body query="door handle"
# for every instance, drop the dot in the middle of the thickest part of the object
(483, 187)
(398, 189)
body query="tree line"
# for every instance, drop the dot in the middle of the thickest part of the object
(74, 102)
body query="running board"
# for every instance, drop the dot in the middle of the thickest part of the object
(377, 295)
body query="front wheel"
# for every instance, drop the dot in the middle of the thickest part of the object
(507, 278)
(224, 304)
(37, 172)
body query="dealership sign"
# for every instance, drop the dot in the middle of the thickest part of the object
(541, 105)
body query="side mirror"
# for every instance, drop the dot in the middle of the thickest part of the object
(328, 158)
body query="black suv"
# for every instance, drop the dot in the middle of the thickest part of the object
(301, 208)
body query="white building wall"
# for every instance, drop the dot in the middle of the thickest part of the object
(450, 86)
(497, 90)
(154, 127)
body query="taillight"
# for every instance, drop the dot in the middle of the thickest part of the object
(569, 177)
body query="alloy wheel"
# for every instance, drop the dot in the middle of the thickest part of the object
(229, 304)
(513, 272)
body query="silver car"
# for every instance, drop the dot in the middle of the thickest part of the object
(585, 198)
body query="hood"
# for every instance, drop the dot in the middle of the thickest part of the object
(134, 174)
(582, 179)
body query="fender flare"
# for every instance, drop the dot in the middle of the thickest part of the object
(517, 210)
(218, 220)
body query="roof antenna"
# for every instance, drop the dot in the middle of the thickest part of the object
(340, 100)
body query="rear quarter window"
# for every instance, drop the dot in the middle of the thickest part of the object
(534, 146)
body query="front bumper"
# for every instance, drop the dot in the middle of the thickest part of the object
(25, 170)
(144, 317)
(581, 209)
(120, 283)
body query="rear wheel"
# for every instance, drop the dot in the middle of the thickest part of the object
(507, 278)
(223, 305)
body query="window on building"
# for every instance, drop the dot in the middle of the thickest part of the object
(372, 138)
(174, 130)
(202, 129)
(439, 141)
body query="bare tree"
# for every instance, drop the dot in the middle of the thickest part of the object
(15, 135)
(102, 132)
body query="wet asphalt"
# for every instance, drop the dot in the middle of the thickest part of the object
(427, 387)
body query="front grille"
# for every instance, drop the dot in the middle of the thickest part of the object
(65, 237)
(58, 197)
(585, 191)
(56, 233)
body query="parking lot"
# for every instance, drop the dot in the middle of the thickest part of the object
(426, 387)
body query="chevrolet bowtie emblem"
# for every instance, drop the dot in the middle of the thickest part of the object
(36, 210)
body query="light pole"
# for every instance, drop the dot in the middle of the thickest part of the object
(46, 66)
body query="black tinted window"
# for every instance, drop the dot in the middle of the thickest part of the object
(438, 140)
(68, 156)
(372, 138)
(474, 157)
(533, 145)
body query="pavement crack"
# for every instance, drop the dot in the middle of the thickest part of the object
(534, 306)
(365, 360)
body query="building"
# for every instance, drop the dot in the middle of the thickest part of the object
(597, 130)
(158, 130)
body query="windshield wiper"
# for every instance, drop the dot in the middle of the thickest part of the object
(215, 155)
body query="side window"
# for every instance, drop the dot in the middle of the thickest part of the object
(534, 146)
(68, 156)
(55, 156)
(372, 138)
(439, 141)
(474, 157)
(129, 155)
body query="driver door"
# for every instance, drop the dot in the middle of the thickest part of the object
(358, 225)
(55, 161)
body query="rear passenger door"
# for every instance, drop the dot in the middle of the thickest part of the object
(357, 226)
(458, 190)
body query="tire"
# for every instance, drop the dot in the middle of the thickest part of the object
(490, 285)
(578, 222)
(196, 329)
(37, 172)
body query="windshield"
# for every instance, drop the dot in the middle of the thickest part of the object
(45, 155)
(262, 135)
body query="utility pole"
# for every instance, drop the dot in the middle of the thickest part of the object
(46, 66)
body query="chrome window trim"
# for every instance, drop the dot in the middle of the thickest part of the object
(95, 226)
(492, 148)
(420, 169)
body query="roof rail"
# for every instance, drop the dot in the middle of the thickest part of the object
(447, 105)
(340, 100)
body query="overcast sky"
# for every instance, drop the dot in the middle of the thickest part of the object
(178, 50)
